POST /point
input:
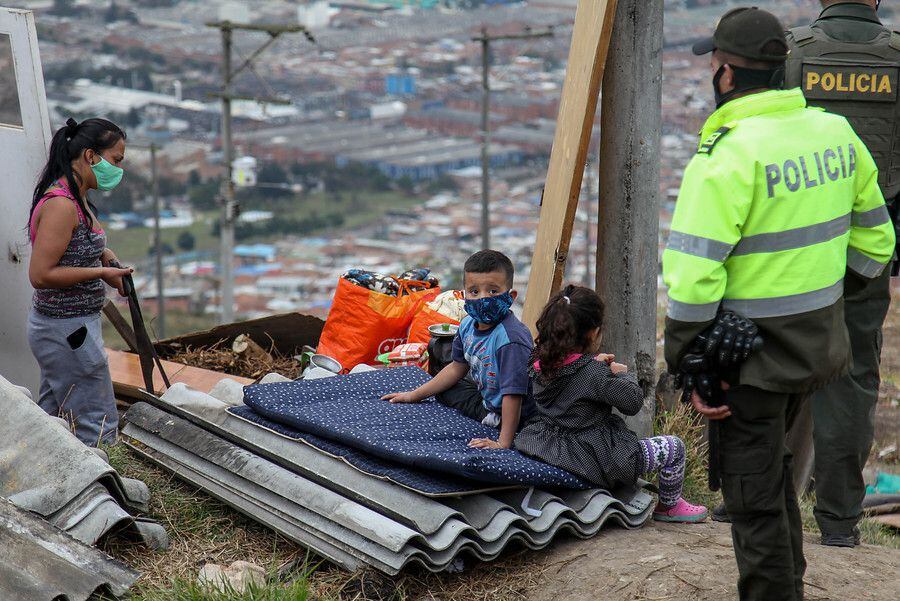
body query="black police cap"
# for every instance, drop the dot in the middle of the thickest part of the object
(747, 32)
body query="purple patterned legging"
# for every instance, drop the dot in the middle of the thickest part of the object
(665, 454)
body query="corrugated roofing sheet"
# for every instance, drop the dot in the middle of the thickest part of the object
(39, 562)
(46, 470)
(345, 515)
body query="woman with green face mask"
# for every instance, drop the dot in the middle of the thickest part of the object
(69, 266)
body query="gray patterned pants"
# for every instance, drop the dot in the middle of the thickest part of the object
(75, 380)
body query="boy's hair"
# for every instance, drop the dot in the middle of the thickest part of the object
(489, 261)
(564, 325)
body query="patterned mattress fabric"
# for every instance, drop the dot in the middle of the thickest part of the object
(428, 483)
(426, 436)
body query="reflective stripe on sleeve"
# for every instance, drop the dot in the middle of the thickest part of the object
(872, 218)
(698, 246)
(786, 305)
(690, 312)
(863, 265)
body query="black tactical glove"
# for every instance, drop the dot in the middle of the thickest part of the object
(718, 351)
(694, 373)
(730, 340)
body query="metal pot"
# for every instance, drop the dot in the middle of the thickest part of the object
(440, 347)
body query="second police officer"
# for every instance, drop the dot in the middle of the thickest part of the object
(847, 62)
(771, 206)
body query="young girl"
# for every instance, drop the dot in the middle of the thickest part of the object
(69, 265)
(574, 427)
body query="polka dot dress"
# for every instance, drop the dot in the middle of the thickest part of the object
(573, 426)
(428, 436)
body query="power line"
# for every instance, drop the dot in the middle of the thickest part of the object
(485, 39)
(229, 206)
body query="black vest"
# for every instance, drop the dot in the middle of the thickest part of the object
(858, 80)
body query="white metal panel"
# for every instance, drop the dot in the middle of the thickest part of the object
(23, 151)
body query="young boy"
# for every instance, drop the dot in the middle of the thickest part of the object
(488, 378)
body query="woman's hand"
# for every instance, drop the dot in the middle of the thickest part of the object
(486, 443)
(108, 258)
(113, 277)
(605, 358)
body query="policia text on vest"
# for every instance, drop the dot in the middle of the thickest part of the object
(831, 82)
(813, 170)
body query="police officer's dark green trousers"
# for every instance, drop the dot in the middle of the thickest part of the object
(757, 485)
(844, 412)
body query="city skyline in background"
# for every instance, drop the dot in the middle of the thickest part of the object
(373, 163)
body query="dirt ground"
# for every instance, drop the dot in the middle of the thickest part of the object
(696, 563)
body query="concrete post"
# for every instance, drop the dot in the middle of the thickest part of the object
(628, 230)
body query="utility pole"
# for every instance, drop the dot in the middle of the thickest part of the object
(157, 237)
(485, 39)
(628, 219)
(229, 205)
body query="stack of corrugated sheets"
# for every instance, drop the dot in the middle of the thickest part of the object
(349, 516)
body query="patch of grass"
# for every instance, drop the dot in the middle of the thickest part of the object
(132, 245)
(358, 208)
(870, 531)
(272, 590)
(688, 425)
(203, 530)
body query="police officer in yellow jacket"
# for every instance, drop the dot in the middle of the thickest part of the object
(849, 63)
(774, 208)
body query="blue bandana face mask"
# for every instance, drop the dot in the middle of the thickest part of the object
(489, 310)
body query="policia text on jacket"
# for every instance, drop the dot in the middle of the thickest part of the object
(812, 170)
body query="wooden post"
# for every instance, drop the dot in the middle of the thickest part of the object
(628, 219)
(577, 106)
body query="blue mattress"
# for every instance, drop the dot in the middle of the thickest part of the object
(427, 483)
(426, 436)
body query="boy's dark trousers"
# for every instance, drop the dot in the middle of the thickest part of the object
(844, 412)
(465, 398)
(757, 485)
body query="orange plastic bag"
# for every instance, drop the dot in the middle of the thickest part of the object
(363, 324)
(418, 329)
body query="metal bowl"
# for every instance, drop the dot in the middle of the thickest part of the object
(443, 329)
(326, 362)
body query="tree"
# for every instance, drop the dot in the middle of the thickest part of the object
(406, 185)
(186, 241)
(165, 247)
(441, 183)
(272, 173)
(64, 8)
(132, 118)
(203, 197)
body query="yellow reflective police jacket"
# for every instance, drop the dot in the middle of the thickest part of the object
(779, 201)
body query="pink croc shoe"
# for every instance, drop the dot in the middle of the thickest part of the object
(682, 512)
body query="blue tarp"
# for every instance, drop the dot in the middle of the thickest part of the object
(426, 436)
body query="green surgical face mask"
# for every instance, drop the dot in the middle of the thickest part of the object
(108, 175)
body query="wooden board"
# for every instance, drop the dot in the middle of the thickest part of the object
(577, 108)
(289, 332)
(125, 369)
